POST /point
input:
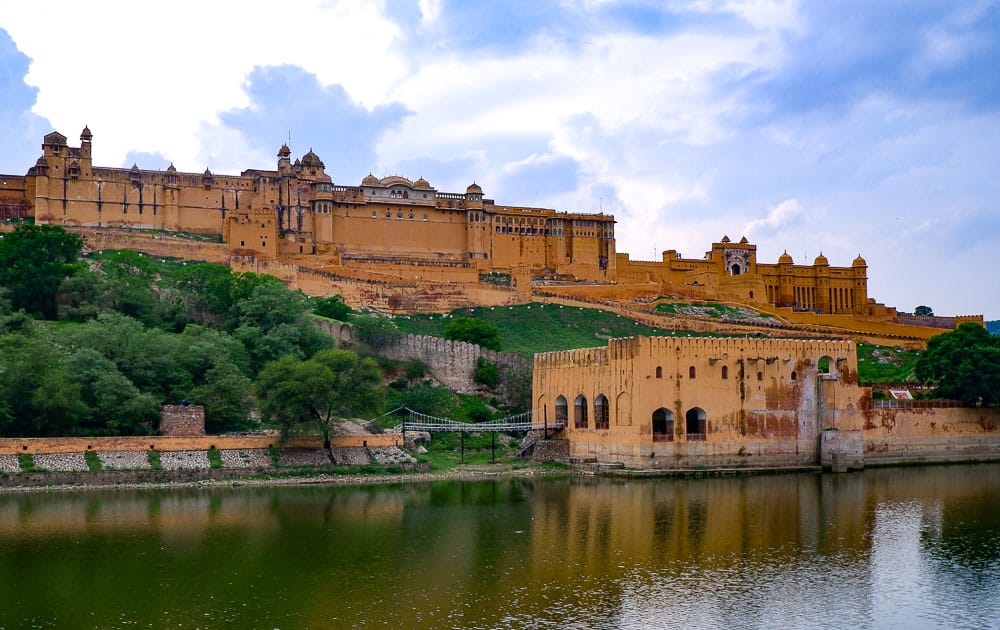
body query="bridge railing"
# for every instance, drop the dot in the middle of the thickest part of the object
(416, 421)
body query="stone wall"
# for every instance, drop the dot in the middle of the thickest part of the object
(10, 446)
(452, 363)
(182, 420)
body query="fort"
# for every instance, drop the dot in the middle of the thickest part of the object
(404, 246)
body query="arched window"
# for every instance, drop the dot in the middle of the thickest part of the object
(659, 372)
(580, 412)
(760, 376)
(696, 424)
(725, 371)
(794, 376)
(691, 372)
(823, 366)
(736, 270)
(663, 425)
(562, 411)
(751, 295)
(601, 415)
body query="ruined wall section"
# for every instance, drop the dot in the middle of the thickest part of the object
(452, 363)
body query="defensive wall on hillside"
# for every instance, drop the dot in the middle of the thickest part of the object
(452, 363)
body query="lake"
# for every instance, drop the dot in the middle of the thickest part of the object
(911, 547)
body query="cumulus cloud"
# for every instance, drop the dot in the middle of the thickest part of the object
(21, 131)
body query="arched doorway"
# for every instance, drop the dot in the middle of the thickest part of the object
(695, 424)
(601, 413)
(562, 411)
(580, 412)
(663, 425)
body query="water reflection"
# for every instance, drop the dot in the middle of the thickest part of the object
(886, 548)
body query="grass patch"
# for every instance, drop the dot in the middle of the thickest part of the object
(214, 458)
(93, 461)
(154, 460)
(531, 328)
(27, 463)
(715, 310)
(273, 452)
(886, 364)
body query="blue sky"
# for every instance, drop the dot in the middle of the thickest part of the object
(840, 127)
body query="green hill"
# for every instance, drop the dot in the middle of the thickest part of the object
(532, 328)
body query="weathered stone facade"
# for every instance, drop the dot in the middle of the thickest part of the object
(182, 420)
(673, 402)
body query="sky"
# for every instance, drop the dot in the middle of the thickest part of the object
(831, 126)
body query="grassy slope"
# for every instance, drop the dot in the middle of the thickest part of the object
(535, 328)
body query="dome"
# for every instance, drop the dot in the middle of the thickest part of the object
(821, 261)
(725, 238)
(207, 172)
(369, 180)
(744, 241)
(785, 259)
(421, 183)
(171, 168)
(859, 262)
(284, 151)
(85, 135)
(311, 159)
(474, 189)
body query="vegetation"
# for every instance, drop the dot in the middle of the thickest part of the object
(884, 364)
(923, 311)
(531, 328)
(331, 307)
(486, 373)
(97, 348)
(330, 385)
(34, 261)
(965, 364)
(474, 331)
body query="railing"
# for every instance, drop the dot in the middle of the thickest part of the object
(416, 421)
(918, 404)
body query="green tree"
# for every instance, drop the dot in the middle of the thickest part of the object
(34, 260)
(923, 311)
(486, 373)
(226, 394)
(332, 384)
(37, 397)
(965, 364)
(474, 331)
(332, 307)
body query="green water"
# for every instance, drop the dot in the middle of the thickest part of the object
(900, 548)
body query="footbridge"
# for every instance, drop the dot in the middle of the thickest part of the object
(527, 421)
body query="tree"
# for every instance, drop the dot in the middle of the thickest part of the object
(474, 331)
(923, 311)
(376, 332)
(332, 307)
(330, 385)
(965, 364)
(34, 260)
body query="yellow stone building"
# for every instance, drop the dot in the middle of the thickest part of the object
(294, 220)
(684, 402)
(688, 401)
(296, 209)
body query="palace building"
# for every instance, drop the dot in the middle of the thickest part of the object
(298, 209)
(294, 220)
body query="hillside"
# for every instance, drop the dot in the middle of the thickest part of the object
(536, 327)
(531, 328)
